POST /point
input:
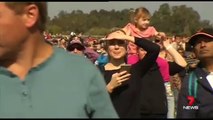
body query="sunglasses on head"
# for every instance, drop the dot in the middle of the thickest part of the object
(116, 42)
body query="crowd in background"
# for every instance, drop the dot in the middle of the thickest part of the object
(132, 72)
(172, 66)
(93, 49)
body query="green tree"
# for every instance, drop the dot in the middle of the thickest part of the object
(171, 20)
(177, 20)
(54, 29)
(161, 19)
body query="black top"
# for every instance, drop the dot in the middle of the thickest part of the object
(203, 104)
(126, 97)
(153, 99)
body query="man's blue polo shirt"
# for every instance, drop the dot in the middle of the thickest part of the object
(64, 86)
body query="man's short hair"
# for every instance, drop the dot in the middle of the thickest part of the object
(18, 7)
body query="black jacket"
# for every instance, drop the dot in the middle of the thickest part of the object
(203, 102)
(153, 94)
(153, 99)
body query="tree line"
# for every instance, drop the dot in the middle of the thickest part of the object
(175, 20)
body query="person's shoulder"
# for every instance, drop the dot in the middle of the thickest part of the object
(151, 28)
(67, 57)
(128, 26)
(80, 65)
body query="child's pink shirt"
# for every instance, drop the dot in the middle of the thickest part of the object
(132, 48)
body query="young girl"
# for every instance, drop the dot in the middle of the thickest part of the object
(139, 27)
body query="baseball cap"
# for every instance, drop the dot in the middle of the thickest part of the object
(208, 32)
(75, 44)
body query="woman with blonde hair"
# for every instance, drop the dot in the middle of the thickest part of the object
(124, 86)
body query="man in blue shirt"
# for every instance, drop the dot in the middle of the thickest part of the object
(41, 81)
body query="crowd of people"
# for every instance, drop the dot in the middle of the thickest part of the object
(71, 76)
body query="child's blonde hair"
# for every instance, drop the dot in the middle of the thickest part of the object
(138, 13)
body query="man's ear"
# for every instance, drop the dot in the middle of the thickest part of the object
(30, 15)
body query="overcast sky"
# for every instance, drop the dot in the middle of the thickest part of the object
(203, 8)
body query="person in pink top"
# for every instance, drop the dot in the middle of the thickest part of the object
(164, 68)
(139, 27)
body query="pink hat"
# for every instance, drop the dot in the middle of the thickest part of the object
(208, 32)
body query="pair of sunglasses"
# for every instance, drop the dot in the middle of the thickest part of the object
(116, 42)
(78, 47)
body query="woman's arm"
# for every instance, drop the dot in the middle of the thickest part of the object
(152, 49)
(174, 53)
